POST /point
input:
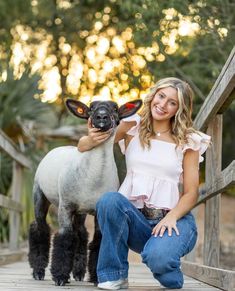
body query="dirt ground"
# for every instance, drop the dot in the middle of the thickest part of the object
(227, 233)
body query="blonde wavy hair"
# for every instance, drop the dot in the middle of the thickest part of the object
(181, 123)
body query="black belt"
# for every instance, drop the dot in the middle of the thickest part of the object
(153, 213)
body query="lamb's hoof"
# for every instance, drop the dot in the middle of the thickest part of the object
(39, 274)
(94, 281)
(61, 281)
(78, 277)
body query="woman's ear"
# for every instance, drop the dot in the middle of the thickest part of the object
(129, 108)
(78, 108)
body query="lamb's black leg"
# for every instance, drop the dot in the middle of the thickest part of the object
(39, 236)
(64, 245)
(80, 258)
(94, 247)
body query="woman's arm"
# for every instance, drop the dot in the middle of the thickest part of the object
(93, 139)
(122, 129)
(188, 199)
(96, 137)
(191, 184)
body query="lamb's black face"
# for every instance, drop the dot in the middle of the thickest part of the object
(104, 115)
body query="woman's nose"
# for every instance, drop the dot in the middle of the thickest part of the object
(163, 103)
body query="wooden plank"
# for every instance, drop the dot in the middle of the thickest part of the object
(191, 257)
(220, 278)
(223, 181)
(228, 101)
(9, 257)
(11, 149)
(8, 203)
(218, 95)
(68, 132)
(212, 207)
(18, 276)
(14, 218)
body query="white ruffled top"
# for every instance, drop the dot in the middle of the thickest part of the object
(153, 175)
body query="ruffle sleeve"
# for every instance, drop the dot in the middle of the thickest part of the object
(132, 131)
(198, 142)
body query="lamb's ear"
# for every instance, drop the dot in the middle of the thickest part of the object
(129, 108)
(78, 108)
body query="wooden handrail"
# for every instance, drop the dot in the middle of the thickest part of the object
(223, 181)
(8, 203)
(10, 148)
(210, 117)
(13, 203)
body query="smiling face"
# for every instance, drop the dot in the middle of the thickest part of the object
(165, 104)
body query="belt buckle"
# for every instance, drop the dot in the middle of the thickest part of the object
(152, 213)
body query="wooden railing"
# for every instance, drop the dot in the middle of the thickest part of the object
(210, 119)
(13, 203)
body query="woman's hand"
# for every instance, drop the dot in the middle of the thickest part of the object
(168, 223)
(93, 139)
(96, 136)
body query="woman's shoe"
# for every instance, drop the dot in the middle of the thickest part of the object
(114, 285)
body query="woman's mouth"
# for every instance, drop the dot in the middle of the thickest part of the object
(159, 110)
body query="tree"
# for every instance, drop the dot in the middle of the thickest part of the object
(189, 39)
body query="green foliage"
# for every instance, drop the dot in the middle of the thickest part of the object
(228, 145)
(5, 172)
(4, 225)
(198, 59)
(17, 102)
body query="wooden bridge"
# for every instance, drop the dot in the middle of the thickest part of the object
(15, 273)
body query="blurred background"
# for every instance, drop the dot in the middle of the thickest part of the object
(109, 50)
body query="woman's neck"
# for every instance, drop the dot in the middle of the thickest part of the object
(161, 126)
(163, 131)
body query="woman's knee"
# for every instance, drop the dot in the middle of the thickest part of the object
(172, 280)
(163, 263)
(158, 261)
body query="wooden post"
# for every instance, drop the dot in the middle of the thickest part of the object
(212, 207)
(15, 215)
(191, 257)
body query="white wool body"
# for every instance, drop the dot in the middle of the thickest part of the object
(69, 177)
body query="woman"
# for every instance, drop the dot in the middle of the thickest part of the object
(150, 214)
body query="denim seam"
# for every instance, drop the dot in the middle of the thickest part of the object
(113, 272)
(118, 240)
(112, 276)
(121, 231)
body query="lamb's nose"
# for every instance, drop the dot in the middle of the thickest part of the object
(102, 116)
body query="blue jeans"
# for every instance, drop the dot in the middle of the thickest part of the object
(123, 226)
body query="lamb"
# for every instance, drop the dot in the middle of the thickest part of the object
(74, 181)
